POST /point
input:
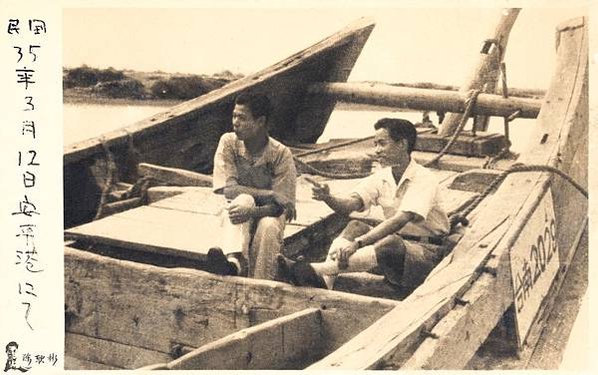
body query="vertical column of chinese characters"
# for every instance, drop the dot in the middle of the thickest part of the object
(27, 37)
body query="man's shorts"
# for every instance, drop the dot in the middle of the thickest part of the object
(420, 260)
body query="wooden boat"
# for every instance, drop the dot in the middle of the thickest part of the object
(135, 294)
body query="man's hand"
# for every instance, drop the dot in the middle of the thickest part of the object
(342, 254)
(319, 192)
(239, 214)
(289, 208)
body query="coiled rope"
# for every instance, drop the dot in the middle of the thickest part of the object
(460, 217)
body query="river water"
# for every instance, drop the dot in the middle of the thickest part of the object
(83, 121)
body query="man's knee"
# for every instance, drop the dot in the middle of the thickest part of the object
(390, 256)
(355, 228)
(393, 243)
(269, 226)
(244, 200)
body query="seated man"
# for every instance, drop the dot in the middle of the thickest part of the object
(407, 193)
(257, 176)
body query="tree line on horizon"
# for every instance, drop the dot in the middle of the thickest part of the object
(113, 83)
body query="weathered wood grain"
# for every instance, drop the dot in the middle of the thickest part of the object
(110, 353)
(424, 99)
(155, 308)
(173, 176)
(276, 344)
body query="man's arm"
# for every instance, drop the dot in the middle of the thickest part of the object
(387, 227)
(240, 214)
(341, 205)
(232, 190)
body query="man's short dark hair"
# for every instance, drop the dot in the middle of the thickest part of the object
(258, 104)
(12, 343)
(399, 129)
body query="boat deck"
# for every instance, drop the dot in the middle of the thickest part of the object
(186, 225)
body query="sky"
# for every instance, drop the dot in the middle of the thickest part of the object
(437, 45)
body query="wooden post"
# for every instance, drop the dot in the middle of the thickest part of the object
(485, 74)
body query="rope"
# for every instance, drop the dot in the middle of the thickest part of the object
(132, 148)
(340, 176)
(347, 143)
(110, 172)
(461, 217)
(470, 103)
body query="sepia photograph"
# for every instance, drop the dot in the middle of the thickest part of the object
(269, 186)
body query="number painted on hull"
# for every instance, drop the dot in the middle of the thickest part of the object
(534, 264)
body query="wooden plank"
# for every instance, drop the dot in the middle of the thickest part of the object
(424, 99)
(504, 217)
(155, 230)
(466, 144)
(163, 227)
(277, 344)
(72, 363)
(157, 193)
(173, 176)
(155, 308)
(197, 200)
(110, 353)
(457, 336)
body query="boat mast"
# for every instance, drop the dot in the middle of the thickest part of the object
(485, 75)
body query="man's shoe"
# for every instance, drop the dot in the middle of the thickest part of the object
(218, 264)
(283, 269)
(304, 274)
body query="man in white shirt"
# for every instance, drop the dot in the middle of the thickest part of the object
(407, 193)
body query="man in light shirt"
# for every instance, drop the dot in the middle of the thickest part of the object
(405, 246)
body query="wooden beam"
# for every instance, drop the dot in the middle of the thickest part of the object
(513, 91)
(426, 99)
(110, 353)
(277, 344)
(174, 176)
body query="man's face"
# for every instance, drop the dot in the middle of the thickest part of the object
(11, 352)
(388, 151)
(244, 124)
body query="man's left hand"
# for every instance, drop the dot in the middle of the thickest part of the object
(344, 253)
(239, 214)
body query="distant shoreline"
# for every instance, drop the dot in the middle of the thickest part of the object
(83, 100)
